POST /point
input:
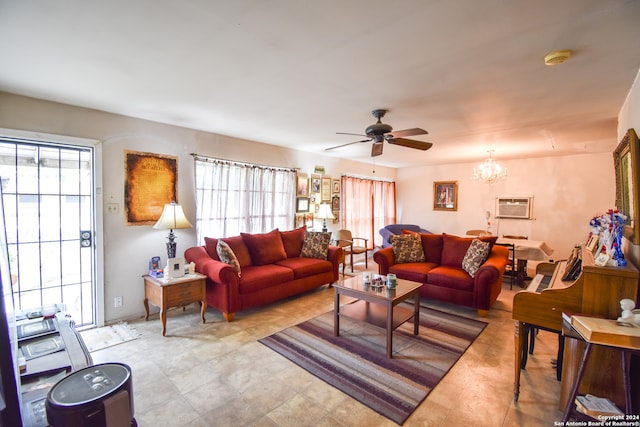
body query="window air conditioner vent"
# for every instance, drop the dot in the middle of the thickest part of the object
(514, 207)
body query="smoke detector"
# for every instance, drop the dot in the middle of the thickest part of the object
(557, 57)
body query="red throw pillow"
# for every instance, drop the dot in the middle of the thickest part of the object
(210, 245)
(240, 249)
(293, 240)
(454, 249)
(265, 248)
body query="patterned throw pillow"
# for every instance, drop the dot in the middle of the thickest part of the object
(227, 256)
(316, 245)
(476, 254)
(407, 248)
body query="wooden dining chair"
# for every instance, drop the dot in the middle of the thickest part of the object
(517, 267)
(345, 240)
(478, 233)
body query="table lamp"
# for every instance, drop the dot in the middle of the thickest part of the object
(324, 212)
(171, 219)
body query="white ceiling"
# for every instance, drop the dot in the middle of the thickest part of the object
(293, 73)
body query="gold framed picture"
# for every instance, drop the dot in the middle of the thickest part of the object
(445, 195)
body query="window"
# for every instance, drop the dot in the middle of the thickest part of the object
(234, 197)
(368, 206)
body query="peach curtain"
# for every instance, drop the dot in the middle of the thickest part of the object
(368, 205)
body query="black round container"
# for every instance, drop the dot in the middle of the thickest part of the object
(91, 396)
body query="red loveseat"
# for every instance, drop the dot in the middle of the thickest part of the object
(270, 269)
(442, 275)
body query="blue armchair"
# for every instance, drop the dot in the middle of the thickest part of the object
(391, 229)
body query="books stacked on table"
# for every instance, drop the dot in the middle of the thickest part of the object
(597, 407)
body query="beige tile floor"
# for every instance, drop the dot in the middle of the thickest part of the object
(217, 374)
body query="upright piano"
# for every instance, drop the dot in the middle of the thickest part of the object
(596, 290)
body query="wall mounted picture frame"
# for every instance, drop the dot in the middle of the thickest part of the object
(302, 185)
(151, 181)
(335, 186)
(302, 204)
(315, 183)
(627, 192)
(445, 195)
(326, 189)
(335, 203)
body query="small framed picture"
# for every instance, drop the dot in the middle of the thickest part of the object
(308, 220)
(175, 267)
(302, 204)
(445, 195)
(335, 203)
(302, 188)
(335, 184)
(315, 183)
(326, 189)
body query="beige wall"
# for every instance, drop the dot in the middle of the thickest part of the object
(567, 191)
(127, 249)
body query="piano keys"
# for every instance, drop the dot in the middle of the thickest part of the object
(597, 290)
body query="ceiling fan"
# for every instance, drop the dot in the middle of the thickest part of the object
(380, 132)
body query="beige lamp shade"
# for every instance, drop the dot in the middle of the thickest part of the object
(171, 219)
(324, 212)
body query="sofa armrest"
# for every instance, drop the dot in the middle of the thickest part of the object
(385, 259)
(335, 256)
(488, 279)
(217, 271)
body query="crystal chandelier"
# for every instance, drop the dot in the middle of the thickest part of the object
(489, 171)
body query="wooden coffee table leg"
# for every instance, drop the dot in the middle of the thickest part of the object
(336, 313)
(416, 315)
(146, 308)
(389, 330)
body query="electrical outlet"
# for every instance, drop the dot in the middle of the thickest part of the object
(112, 208)
(117, 302)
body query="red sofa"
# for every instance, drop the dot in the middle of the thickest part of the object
(271, 269)
(442, 274)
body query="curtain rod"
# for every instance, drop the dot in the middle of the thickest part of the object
(235, 162)
(367, 177)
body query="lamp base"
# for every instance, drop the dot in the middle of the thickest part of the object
(171, 245)
(324, 226)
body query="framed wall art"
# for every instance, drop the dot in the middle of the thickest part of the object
(335, 184)
(151, 181)
(302, 185)
(627, 194)
(302, 204)
(326, 189)
(445, 195)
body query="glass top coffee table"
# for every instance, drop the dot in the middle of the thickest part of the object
(377, 306)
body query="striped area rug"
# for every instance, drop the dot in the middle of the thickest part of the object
(355, 362)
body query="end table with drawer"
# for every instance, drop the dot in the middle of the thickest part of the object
(174, 292)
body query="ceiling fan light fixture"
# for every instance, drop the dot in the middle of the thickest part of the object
(557, 57)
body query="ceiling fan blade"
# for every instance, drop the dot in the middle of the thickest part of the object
(376, 149)
(344, 145)
(347, 133)
(407, 132)
(411, 143)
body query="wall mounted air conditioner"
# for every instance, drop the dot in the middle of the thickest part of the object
(514, 207)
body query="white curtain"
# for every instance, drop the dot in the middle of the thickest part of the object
(234, 197)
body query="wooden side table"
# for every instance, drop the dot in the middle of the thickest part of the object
(178, 292)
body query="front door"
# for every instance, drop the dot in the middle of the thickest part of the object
(48, 201)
